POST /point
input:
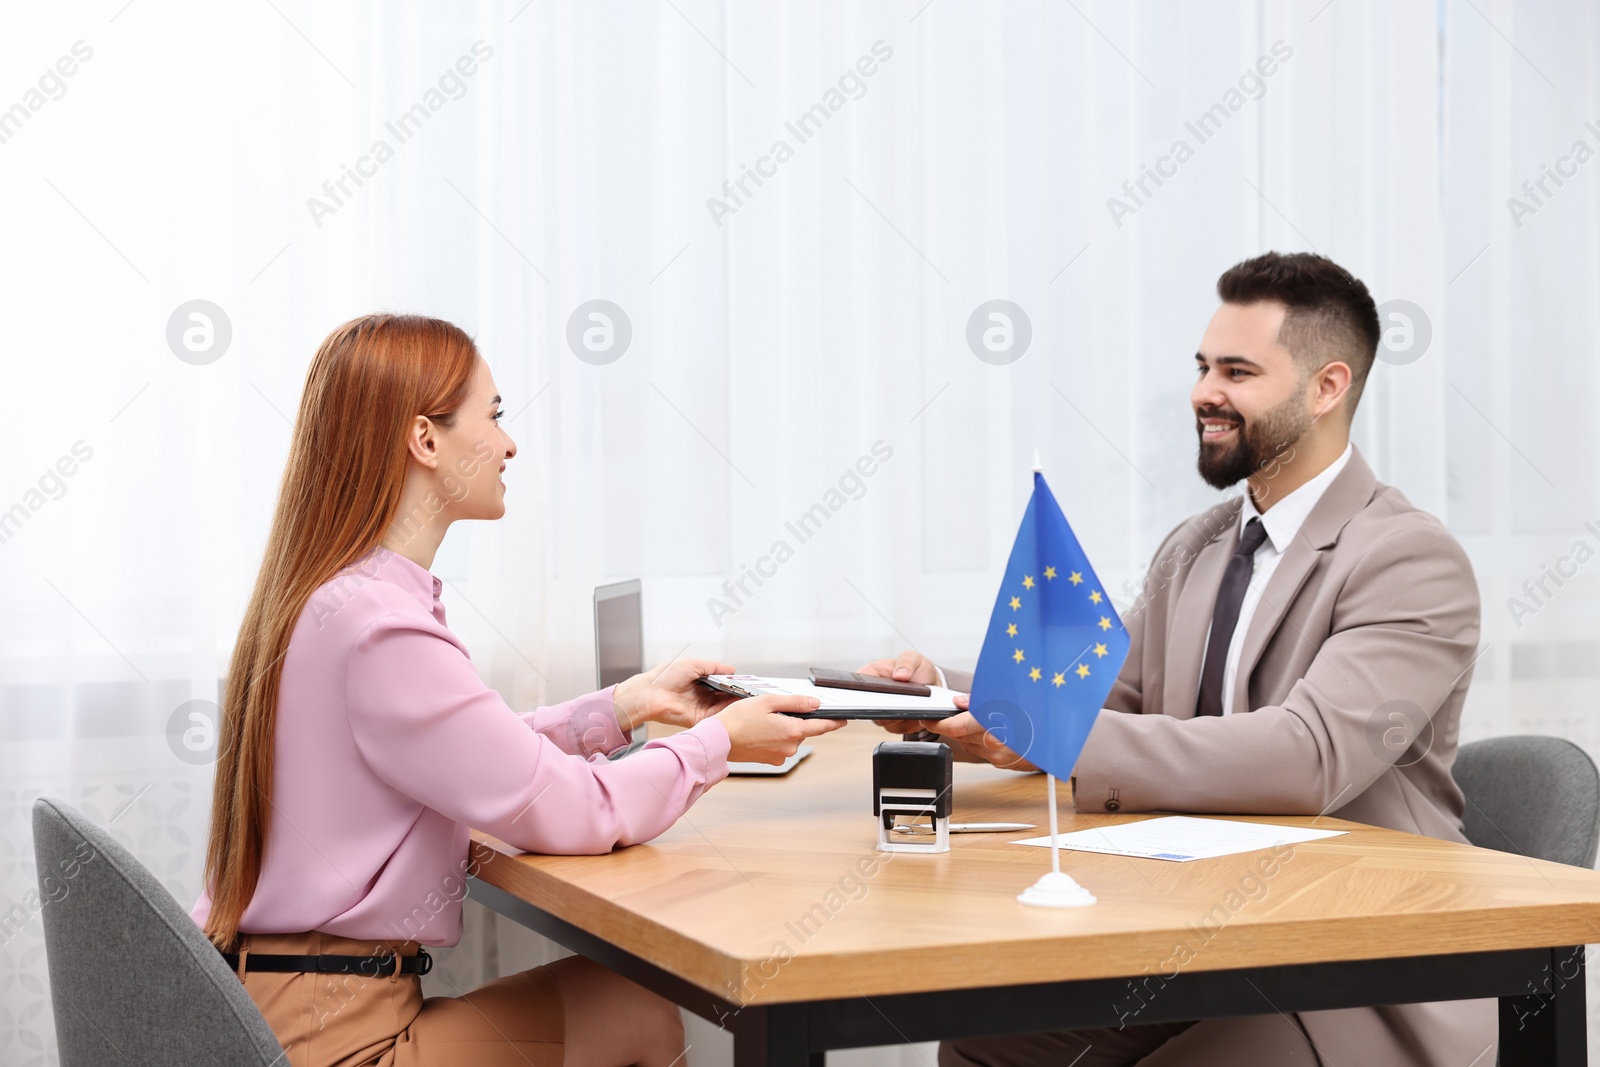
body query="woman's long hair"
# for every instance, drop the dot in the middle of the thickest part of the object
(341, 490)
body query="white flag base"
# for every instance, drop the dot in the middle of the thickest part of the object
(1056, 890)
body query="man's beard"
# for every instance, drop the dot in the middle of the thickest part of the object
(1256, 443)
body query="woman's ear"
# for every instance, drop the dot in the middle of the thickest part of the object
(422, 443)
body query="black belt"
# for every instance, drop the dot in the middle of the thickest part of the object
(369, 966)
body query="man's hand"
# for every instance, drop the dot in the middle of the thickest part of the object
(970, 741)
(909, 666)
(671, 694)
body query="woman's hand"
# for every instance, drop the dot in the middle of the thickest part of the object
(760, 733)
(671, 694)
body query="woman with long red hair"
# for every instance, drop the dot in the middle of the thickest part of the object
(358, 744)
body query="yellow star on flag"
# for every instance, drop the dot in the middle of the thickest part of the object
(1011, 631)
(1058, 681)
(1083, 672)
(1049, 572)
(1105, 623)
(1027, 581)
(1017, 655)
(1034, 674)
(1015, 603)
(1095, 597)
(1075, 578)
(1100, 650)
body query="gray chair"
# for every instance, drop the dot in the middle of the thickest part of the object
(1537, 796)
(133, 980)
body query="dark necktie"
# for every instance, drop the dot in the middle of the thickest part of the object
(1225, 616)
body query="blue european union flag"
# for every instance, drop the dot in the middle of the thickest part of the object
(1054, 645)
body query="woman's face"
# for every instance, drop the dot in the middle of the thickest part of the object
(473, 452)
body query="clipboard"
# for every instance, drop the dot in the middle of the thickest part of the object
(839, 703)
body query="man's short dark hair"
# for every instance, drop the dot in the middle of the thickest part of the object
(1331, 316)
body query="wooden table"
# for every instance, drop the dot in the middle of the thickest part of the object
(768, 910)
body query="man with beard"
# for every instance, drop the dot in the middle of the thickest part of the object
(1303, 648)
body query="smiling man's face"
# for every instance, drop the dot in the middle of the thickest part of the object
(1250, 402)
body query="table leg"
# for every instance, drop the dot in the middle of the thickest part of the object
(1546, 1025)
(773, 1036)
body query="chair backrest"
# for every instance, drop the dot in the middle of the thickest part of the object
(1538, 796)
(132, 979)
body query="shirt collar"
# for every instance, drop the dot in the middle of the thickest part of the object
(1284, 519)
(389, 566)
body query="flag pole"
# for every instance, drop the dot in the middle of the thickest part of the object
(1055, 837)
(1056, 889)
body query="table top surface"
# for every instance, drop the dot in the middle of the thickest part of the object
(771, 890)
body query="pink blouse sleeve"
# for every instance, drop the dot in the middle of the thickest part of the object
(429, 727)
(585, 726)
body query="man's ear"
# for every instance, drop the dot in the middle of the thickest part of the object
(1329, 386)
(422, 442)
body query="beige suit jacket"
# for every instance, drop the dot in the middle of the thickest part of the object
(1355, 666)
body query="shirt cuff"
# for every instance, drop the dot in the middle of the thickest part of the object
(713, 743)
(714, 736)
(595, 730)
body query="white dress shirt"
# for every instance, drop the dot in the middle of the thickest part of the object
(1282, 521)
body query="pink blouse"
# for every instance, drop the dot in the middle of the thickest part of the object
(389, 747)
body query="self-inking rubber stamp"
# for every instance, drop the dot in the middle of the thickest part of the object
(911, 779)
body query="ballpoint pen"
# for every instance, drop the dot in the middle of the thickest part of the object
(967, 828)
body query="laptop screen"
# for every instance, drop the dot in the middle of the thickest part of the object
(618, 632)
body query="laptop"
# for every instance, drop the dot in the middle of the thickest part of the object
(619, 643)
(619, 655)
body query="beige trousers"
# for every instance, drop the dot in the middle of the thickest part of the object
(350, 1020)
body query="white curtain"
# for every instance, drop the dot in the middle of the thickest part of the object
(936, 156)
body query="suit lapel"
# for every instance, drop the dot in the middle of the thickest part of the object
(1348, 493)
(1191, 620)
(1290, 575)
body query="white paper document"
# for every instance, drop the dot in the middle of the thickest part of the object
(1182, 838)
(938, 704)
